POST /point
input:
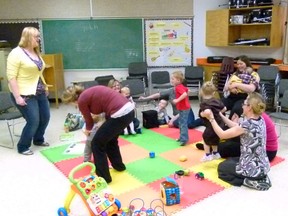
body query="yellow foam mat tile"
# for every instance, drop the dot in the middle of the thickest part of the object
(209, 169)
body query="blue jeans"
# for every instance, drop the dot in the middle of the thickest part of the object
(183, 116)
(37, 116)
(191, 122)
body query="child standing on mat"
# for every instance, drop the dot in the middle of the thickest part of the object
(163, 117)
(182, 104)
(211, 140)
(98, 121)
(125, 91)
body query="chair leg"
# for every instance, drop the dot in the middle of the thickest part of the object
(11, 136)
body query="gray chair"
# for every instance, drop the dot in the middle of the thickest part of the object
(88, 84)
(160, 80)
(138, 70)
(8, 113)
(281, 118)
(194, 76)
(137, 89)
(269, 85)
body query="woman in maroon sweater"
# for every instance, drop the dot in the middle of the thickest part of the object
(119, 113)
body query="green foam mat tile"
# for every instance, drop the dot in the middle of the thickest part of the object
(151, 169)
(153, 141)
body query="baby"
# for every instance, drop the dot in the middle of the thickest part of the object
(163, 117)
(245, 77)
(125, 91)
(98, 121)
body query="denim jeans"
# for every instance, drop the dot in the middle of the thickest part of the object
(191, 122)
(37, 116)
(183, 116)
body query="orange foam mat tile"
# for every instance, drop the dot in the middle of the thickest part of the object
(192, 190)
(131, 152)
(209, 169)
(193, 156)
(276, 161)
(122, 142)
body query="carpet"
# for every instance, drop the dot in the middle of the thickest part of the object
(144, 174)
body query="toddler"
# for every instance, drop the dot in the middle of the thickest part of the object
(98, 121)
(182, 105)
(211, 140)
(163, 117)
(125, 91)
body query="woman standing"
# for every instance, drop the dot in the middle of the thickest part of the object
(239, 91)
(252, 167)
(119, 113)
(29, 90)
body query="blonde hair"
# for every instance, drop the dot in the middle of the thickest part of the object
(208, 89)
(178, 75)
(72, 93)
(125, 90)
(27, 36)
(112, 82)
(256, 102)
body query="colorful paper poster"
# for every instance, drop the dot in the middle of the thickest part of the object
(168, 42)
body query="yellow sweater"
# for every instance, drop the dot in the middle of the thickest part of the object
(25, 71)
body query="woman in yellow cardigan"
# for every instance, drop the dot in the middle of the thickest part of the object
(28, 89)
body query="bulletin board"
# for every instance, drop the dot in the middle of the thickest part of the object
(168, 42)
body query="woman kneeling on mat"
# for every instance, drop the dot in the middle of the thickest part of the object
(252, 167)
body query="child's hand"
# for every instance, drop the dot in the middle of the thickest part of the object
(86, 132)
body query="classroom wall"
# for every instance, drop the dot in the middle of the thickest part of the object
(28, 9)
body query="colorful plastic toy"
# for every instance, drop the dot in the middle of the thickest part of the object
(137, 208)
(170, 192)
(199, 175)
(94, 192)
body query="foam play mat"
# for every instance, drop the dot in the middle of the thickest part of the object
(144, 172)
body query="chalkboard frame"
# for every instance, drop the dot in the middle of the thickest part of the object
(11, 30)
(78, 41)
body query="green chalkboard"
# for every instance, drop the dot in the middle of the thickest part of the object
(95, 44)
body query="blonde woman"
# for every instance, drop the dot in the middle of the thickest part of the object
(252, 167)
(29, 91)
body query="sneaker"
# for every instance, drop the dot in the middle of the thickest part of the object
(27, 152)
(181, 143)
(261, 185)
(199, 146)
(207, 158)
(216, 156)
(178, 140)
(133, 132)
(44, 144)
(126, 132)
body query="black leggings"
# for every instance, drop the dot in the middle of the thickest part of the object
(231, 148)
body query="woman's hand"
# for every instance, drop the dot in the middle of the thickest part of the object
(20, 101)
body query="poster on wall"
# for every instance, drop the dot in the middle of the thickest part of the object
(168, 42)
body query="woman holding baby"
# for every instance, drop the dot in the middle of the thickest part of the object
(238, 91)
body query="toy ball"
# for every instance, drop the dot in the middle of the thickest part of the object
(183, 158)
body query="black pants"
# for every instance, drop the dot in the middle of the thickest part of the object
(231, 148)
(105, 143)
(234, 103)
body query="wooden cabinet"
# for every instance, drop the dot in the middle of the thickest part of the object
(54, 75)
(3, 62)
(221, 30)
